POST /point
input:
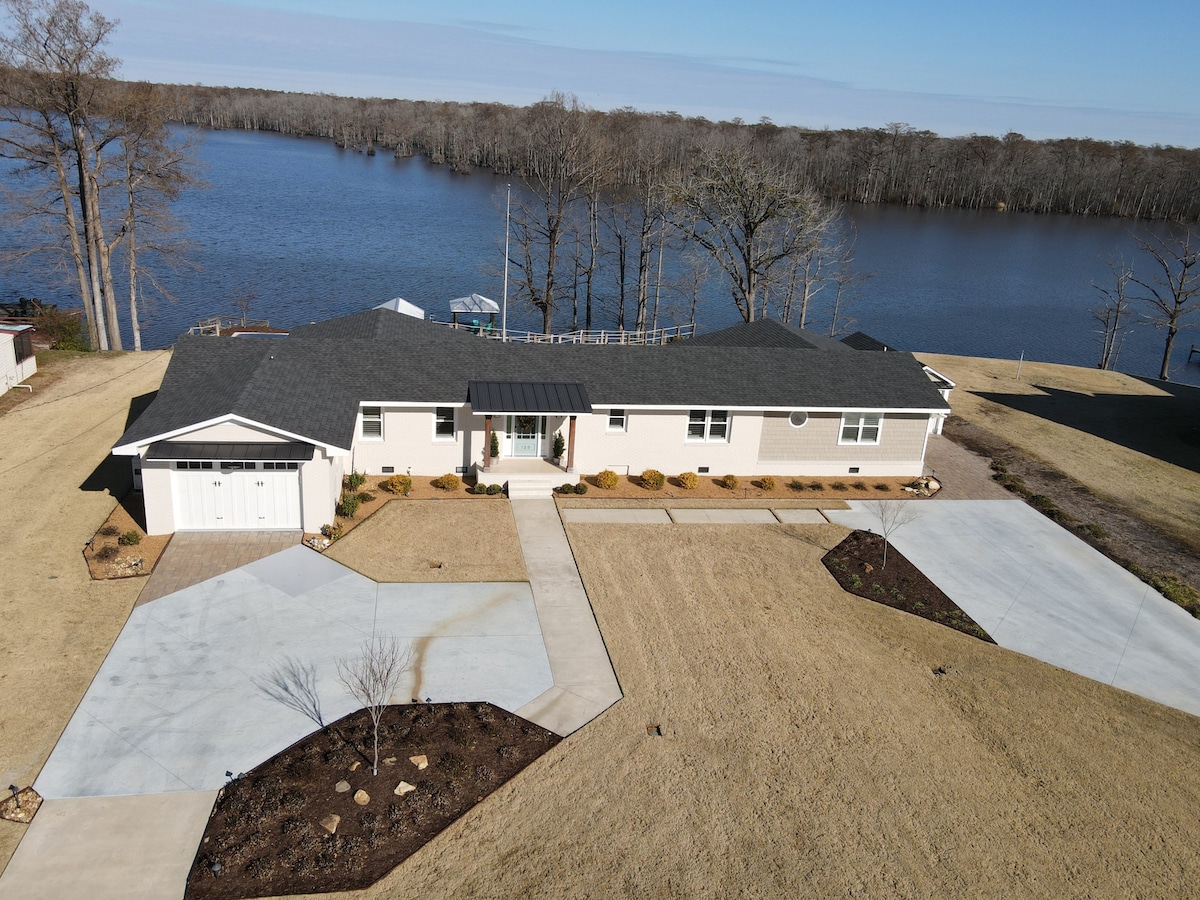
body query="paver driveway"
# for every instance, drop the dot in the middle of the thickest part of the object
(1038, 589)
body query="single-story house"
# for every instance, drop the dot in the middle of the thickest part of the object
(250, 433)
(17, 360)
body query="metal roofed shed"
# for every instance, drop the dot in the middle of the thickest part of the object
(541, 397)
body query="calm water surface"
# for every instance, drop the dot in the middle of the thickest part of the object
(316, 232)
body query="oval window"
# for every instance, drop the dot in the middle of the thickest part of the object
(798, 419)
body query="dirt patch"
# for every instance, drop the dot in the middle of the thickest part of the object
(413, 540)
(315, 819)
(858, 565)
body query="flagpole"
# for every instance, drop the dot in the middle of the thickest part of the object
(504, 311)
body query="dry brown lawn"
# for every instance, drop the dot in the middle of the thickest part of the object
(1161, 492)
(809, 750)
(58, 623)
(472, 539)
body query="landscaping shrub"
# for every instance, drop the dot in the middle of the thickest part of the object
(447, 482)
(108, 551)
(365, 496)
(839, 486)
(334, 531)
(560, 445)
(883, 486)
(494, 489)
(653, 480)
(494, 450)
(581, 488)
(689, 481)
(566, 488)
(816, 486)
(348, 506)
(730, 481)
(355, 480)
(767, 483)
(397, 484)
(608, 479)
(130, 539)
(797, 485)
(859, 485)
(110, 531)
(479, 488)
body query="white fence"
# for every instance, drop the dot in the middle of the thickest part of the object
(614, 336)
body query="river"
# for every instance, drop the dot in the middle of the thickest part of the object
(314, 231)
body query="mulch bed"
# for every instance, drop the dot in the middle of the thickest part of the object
(269, 830)
(857, 564)
(107, 557)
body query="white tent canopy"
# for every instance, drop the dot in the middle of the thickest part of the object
(400, 305)
(476, 303)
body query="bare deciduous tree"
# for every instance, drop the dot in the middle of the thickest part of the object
(892, 515)
(1113, 312)
(372, 676)
(1173, 294)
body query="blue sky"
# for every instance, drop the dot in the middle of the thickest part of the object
(1099, 69)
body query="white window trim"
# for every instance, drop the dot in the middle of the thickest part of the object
(442, 438)
(623, 427)
(363, 419)
(708, 423)
(859, 422)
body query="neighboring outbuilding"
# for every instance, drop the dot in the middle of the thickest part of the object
(17, 359)
(259, 434)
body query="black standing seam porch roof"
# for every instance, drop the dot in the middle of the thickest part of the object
(264, 451)
(539, 397)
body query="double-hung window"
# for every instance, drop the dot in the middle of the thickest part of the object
(443, 423)
(860, 428)
(616, 420)
(708, 425)
(372, 421)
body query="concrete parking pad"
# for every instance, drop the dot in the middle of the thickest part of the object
(615, 516)
(584, 681)
(724, 517)
(109, 848)
(800, 516)
(1039, 590)
(185, 693)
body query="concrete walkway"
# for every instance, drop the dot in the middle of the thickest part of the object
(1039, 590)
(584, 681)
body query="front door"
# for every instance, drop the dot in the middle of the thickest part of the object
(526, 432)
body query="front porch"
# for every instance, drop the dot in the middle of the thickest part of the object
(527, 479)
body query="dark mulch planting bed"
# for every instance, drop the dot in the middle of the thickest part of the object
(266, 831)
(857, 564)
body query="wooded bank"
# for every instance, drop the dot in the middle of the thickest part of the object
(893, 164)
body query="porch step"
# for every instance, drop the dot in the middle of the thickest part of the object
(534, 485)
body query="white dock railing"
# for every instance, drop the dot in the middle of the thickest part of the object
(605, 336)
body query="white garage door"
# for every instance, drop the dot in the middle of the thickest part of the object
(236, 499)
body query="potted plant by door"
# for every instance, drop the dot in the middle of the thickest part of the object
(494, 450)
(560, 447)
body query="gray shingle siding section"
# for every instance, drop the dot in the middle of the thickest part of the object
(312, 383)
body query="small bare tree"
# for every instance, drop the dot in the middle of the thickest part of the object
(372, 676)
(1113, 312)
(1173, 293)
(892, 515)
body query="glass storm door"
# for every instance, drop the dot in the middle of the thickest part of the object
(526, 434)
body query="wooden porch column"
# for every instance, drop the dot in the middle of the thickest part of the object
(571, 446)
(487, 443)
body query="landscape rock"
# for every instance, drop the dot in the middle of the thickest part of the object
(421, 762)
(342, 786)
(330, 822)
(354, 767)
(403, 788)
(362, 798)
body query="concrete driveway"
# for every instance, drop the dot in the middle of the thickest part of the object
(186, 693)
(1039, 590)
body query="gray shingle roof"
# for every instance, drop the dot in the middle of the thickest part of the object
(311, 383)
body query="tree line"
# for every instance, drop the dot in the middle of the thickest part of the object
(895, 164)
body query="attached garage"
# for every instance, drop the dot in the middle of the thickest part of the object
(233, 487)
